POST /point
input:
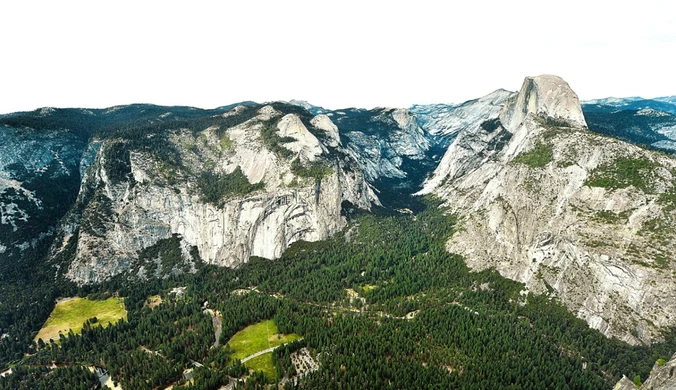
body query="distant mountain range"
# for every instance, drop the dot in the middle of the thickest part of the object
(666, 104)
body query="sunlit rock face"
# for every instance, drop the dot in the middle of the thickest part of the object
(528, 187)
(445, 121)
(117, 216)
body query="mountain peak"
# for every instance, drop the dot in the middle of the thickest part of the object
(544, 95)
(314, 110)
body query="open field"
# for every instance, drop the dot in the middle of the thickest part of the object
(263, 363)
(71, 314)
(258, 337)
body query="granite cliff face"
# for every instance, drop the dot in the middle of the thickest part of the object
(444, 122)
(131, 198)
(226, 184)
(662, 377)
(565, 211)
(547, 96)
(383, 141)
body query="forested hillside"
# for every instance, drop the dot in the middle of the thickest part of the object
(381, 305)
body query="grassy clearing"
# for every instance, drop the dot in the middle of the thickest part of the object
(73, 313)
(153, 301)
(263, 363)
(258, 337)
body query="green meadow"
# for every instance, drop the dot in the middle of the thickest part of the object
(73, 313)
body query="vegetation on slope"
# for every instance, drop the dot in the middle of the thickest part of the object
(628, 125)
(216, 187)
(273, 141)
(315, 169)
(427, 320)
(624, 172)
(165, 258)
(539, 156)
(75, 377)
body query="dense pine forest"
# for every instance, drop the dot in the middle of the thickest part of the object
(382, 304)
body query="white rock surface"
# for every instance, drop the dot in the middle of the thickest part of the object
(545, 227)
(545, 95)
(324, 123)
(662, 377)
(263, 223)
(306, 144)
(446, 121)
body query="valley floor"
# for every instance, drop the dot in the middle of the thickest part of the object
(380, 305)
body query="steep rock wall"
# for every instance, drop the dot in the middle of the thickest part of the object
(548, 203)
(122, 217)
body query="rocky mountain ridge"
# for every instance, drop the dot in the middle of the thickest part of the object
(228, 184)
(291, 190)
(565, 211)
(444, 121)
(152, 191)
(663, 104)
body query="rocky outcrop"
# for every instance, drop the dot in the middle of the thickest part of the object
(305, 144)
(625, 384)
(547, 96)
(567, 212)
(155, 201)
(662, 377)
(384, 141)
(444, 122)
(324, 123)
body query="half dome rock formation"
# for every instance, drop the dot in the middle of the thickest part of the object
(567, 212)
(545, 95)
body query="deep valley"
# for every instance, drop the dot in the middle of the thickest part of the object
(521, 240)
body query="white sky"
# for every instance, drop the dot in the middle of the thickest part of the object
(334, 54)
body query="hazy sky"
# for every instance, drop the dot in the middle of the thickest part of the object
(334, 54)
